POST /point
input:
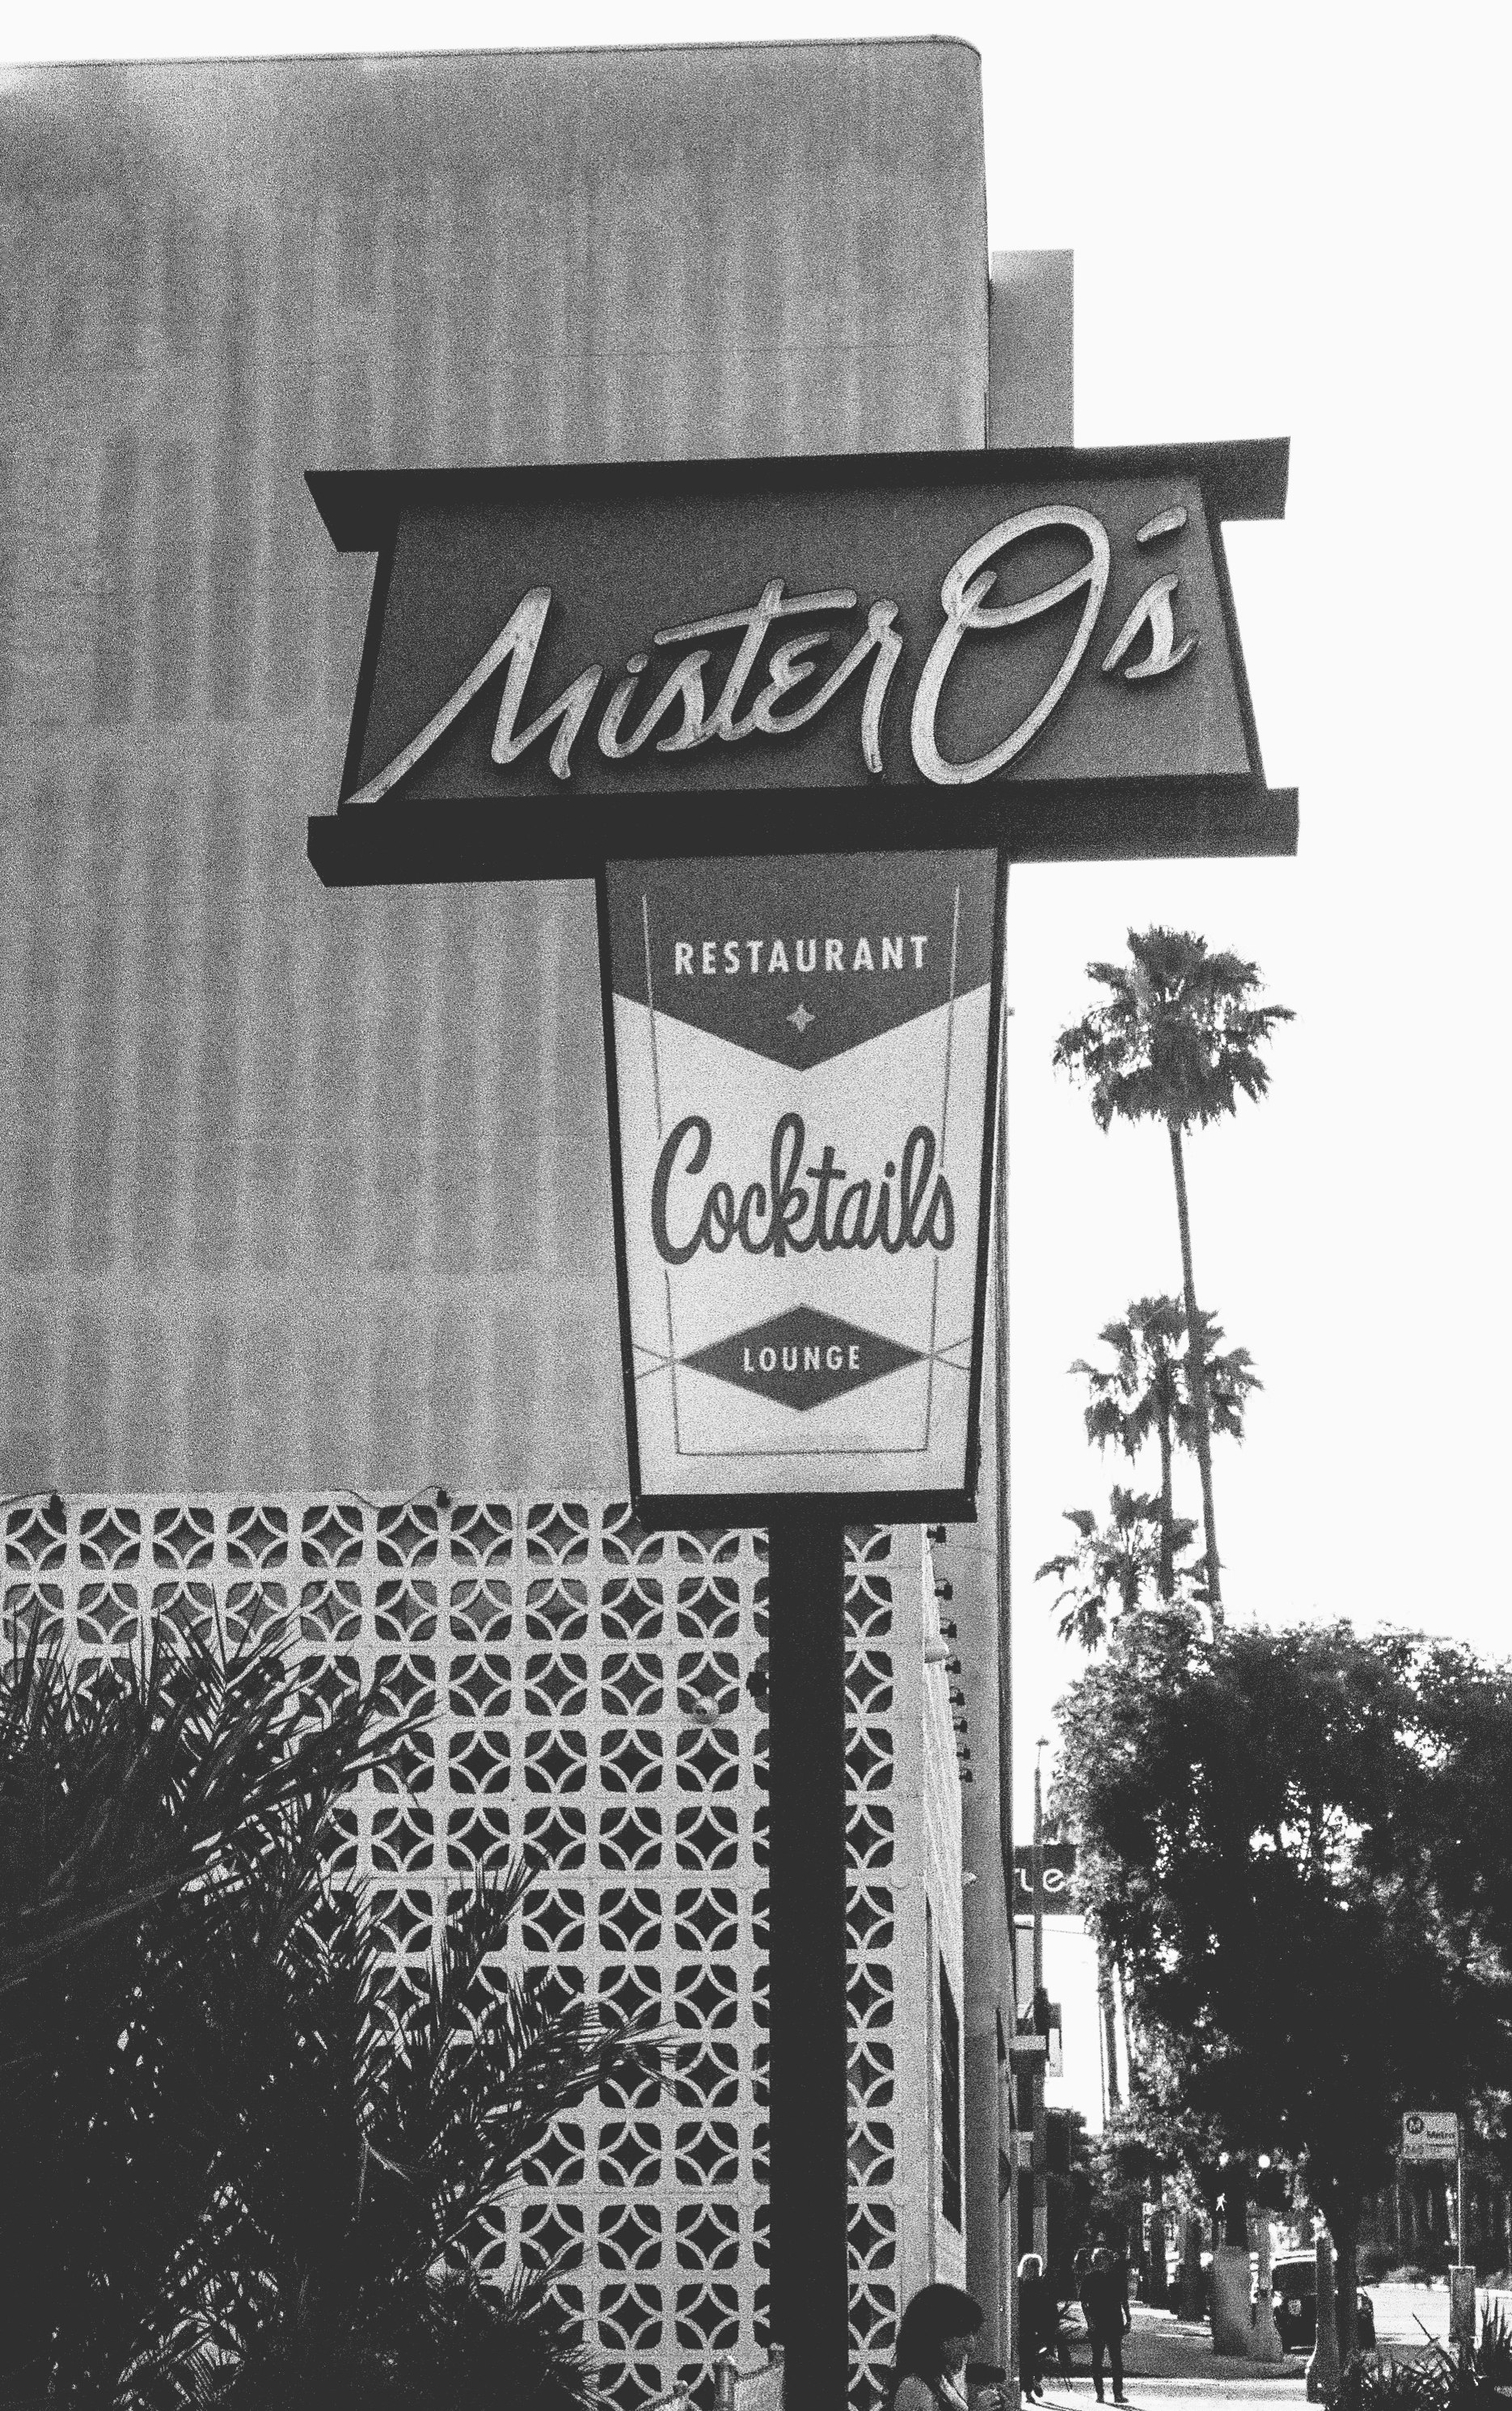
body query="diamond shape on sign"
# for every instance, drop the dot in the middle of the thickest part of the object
(803, 1358)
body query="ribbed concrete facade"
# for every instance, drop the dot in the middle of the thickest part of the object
(310, 1189)
(304, 1205)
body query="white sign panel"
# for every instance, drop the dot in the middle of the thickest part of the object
(802, 1050)
(1430, 2134)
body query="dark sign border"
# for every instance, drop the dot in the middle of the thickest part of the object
(1102, 819)
(725, 1510)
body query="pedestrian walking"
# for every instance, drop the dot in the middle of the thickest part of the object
(933, 2339)
(1105, 2308)
(1038, 2325)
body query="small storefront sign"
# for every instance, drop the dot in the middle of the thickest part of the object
(802, 1070)
(1059, 1868)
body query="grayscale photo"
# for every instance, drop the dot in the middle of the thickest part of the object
(754, 1641)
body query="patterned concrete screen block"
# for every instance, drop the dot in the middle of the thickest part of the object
(305, 1189)
(586, 1685)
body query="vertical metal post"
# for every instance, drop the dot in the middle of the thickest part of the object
(1003, 1468)
(810, 2309)
(1462, 2276)
(1041, 2189)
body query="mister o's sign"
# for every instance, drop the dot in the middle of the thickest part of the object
(1031, 649)
(795, 717)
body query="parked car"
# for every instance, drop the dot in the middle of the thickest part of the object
(1294, 2301)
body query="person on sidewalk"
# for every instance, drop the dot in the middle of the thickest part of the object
(934, 2338)
(1038, 2325)
(1105, 2308)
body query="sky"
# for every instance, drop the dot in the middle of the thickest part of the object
(1286, 221)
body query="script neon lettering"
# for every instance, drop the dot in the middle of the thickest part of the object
(515, 644)
(968, 581)
(793, 693)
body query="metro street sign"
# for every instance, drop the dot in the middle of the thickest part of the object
(1430, 2134)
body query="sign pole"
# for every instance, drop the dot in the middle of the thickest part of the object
(809, 2167)
(1462, 2277)
(1041, 2190)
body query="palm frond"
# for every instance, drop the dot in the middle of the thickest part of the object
(1178, 1037)
(1113, 1571)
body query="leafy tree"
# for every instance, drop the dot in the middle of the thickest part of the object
(1464, 1705)
(1149, 1392)
(1114, 1565)
(1176, 1040)
(1270, 1846)
(1074, 2200)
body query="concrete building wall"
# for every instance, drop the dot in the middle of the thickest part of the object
(302, 1188)
(304, 1207)
(1030, 322)
(967, 1562)
(946, 1970)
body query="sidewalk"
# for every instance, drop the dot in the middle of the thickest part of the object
(1168, 2361)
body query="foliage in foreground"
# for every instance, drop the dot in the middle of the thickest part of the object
(1442, 2381)
(241, 2168)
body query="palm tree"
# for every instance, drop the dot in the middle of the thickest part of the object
(1177, 1039)
(1109, 1572)
(1149, 1390)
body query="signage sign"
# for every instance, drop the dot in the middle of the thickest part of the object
(1431, 2135)
(1059, 1876)
(1030, 2042)
(802, 1068)
(1033, 650)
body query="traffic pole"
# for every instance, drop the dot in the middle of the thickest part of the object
(1462, 2277)
(1036, 2080)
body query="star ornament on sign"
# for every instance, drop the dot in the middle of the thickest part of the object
(800, 1017)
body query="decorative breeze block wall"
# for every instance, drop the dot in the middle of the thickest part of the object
(585, 1685)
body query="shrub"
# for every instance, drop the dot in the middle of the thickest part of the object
(1477, 2375)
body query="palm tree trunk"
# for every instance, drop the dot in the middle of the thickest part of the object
(1197, 1373)
(1110, 2033)
(1168, 1567)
